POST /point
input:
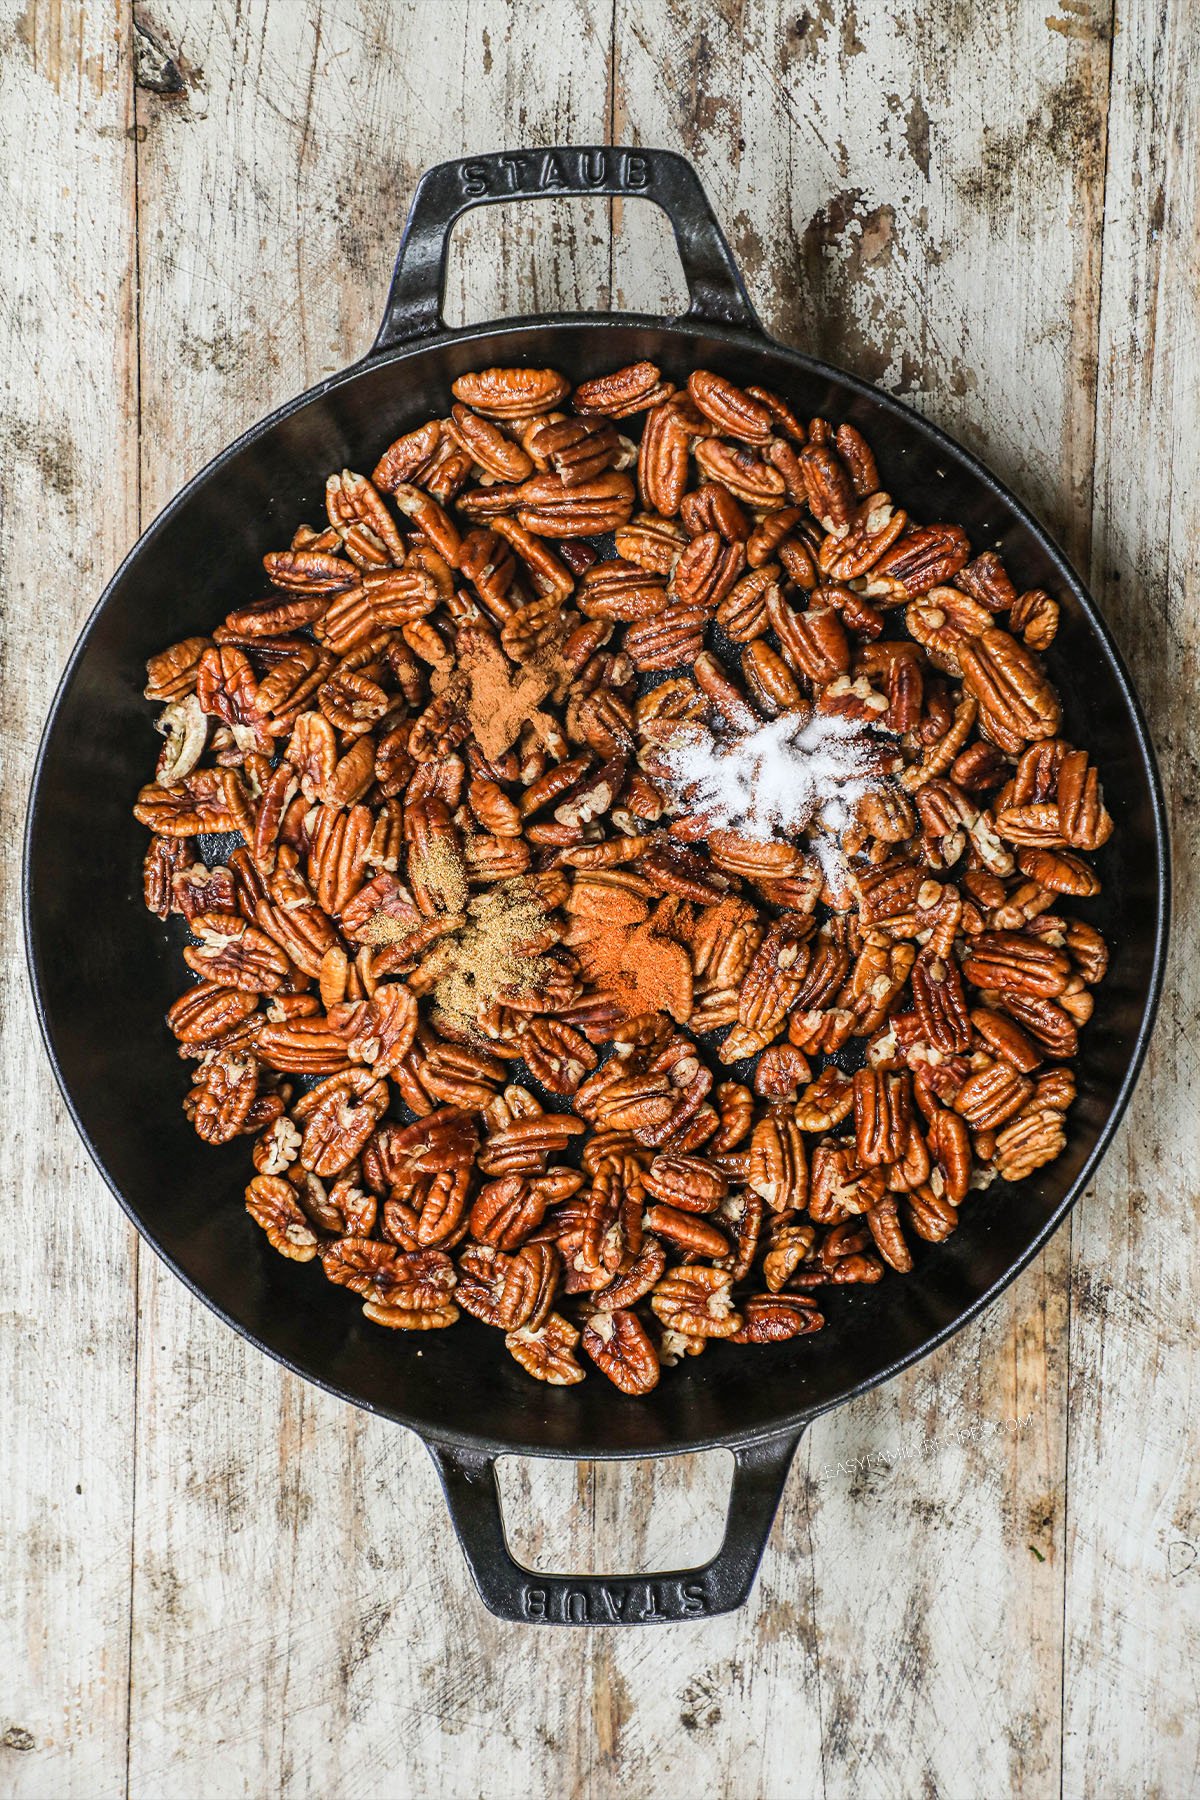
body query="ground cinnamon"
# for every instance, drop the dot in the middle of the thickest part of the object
(635, 962)
(497, 695)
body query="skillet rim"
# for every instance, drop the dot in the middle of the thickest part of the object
(792, 1423)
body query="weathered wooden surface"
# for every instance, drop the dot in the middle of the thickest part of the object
(68, 424)
(991, 211)
(1133, 1549)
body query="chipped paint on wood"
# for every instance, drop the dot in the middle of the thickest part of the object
(1132, 1571)
(68, 434)
(918, 193)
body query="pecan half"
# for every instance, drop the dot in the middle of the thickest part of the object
(272, 1203)
(619, 1344)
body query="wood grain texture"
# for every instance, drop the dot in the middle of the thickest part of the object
(1133, 1556)
(68, 428)
(984, 1579)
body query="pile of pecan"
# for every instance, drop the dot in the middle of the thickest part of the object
(845, 1062)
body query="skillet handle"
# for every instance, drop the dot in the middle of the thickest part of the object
(526, 1598)
(445, 192)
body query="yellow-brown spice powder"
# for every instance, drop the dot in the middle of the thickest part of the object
(439, 870)
(492, 954)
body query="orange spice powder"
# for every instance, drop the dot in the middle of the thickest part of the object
(499, 696)
(643, 970)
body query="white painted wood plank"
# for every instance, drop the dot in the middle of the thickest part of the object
(592, 1517)
(1133, 1594)
(68, 427)
(900, 210)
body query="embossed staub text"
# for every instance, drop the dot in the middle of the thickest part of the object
(614, 1602)
(555, 171)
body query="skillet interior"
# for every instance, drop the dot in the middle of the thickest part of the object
(104, 972)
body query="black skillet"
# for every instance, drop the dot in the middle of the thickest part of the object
(104, 971)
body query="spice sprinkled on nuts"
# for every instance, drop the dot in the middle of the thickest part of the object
(656, 901)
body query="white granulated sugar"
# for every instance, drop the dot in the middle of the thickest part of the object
(835, 865)
(778, 779)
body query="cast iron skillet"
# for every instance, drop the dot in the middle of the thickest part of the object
(104, 971)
